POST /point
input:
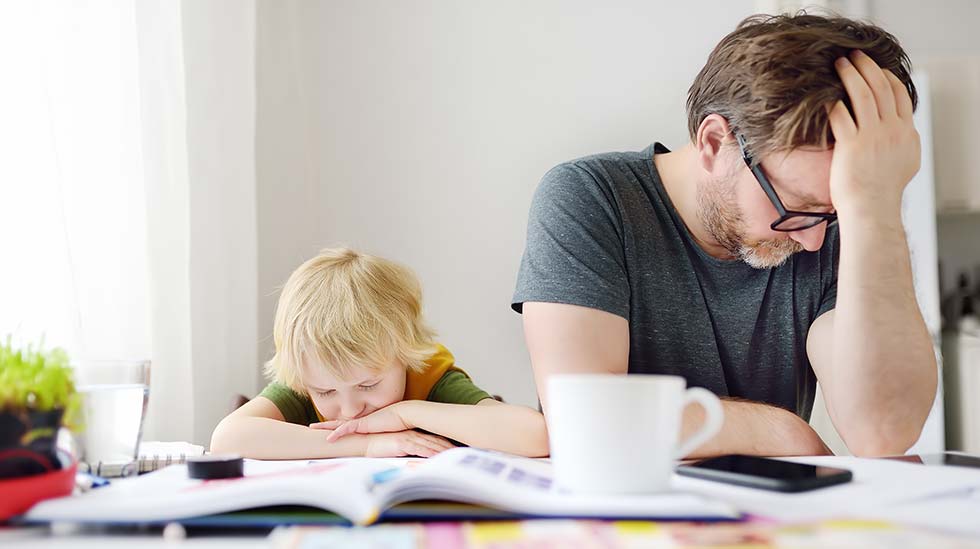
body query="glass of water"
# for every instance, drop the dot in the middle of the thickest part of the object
(114, 398)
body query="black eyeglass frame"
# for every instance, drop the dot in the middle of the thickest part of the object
(784, 214)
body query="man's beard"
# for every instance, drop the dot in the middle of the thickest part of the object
(722, 218)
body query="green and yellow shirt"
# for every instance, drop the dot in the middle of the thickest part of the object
(440, 381)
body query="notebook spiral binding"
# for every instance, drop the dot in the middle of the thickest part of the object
(144, 464)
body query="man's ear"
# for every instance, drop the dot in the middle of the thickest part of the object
(713, 133)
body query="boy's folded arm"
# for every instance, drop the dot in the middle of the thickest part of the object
(488, 424)
(258, 430)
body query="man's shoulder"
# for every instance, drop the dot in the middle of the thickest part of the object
(600, 175)
(601, 165)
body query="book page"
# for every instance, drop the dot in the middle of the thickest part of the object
(524, 486)
(339, 486)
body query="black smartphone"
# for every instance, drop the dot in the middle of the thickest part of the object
(765, 473)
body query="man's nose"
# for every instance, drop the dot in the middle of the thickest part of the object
(811, 239)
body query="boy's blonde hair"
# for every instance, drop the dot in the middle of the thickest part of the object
(345, 309)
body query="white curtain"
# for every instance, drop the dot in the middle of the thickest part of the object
(159, 26)
(72, 203)
(94, 190)
(127, 193)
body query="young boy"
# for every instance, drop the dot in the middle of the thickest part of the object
(357, 373)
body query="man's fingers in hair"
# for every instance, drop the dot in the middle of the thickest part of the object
(877, 81)
(841, 122)
(903, 101)
(862, 98)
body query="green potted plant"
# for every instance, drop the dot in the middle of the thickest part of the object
(37, 398)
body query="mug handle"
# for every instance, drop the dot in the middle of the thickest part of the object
(713, 419)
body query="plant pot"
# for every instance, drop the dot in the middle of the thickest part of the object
(20, 494)
(28, 442)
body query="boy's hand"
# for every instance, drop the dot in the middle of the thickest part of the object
(405, 443)
(389, 419)
(877, 151)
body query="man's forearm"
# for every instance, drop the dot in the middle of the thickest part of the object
(882, 377)
(757, 429)
(264, 438)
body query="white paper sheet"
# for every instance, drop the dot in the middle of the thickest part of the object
(878, 485)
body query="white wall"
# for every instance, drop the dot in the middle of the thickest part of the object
(419, 131)
(944, 27)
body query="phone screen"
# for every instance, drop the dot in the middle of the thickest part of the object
(760, 467)
(765, 473)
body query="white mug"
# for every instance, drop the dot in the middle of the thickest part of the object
(618, 434)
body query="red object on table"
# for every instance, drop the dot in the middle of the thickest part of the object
(21, 493)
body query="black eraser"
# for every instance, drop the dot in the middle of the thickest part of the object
(211, 466)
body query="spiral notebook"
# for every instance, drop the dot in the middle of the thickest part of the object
(153, 455)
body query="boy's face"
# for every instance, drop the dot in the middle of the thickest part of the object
(367, 390)
(738, 214)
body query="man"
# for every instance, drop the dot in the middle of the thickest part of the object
(765, 255)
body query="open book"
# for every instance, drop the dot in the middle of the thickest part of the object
(361, 489)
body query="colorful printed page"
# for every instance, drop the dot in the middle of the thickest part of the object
(582, 534)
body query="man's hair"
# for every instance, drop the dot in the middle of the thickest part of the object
(343, 309)
(773, 77)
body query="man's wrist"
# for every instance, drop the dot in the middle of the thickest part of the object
(876, 214)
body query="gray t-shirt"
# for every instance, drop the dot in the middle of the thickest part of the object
(604, 234)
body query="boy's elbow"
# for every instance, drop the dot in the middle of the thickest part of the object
(222, 441)
(540, 449)
(538, 438)
(217, 445)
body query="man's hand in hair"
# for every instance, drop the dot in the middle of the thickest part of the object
(877, 150)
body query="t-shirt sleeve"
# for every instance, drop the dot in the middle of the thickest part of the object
(295, 408)
(574, 251)
(828, 275)
(455, 387)
(828, 301)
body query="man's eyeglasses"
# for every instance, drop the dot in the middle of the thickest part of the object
(789, 220)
